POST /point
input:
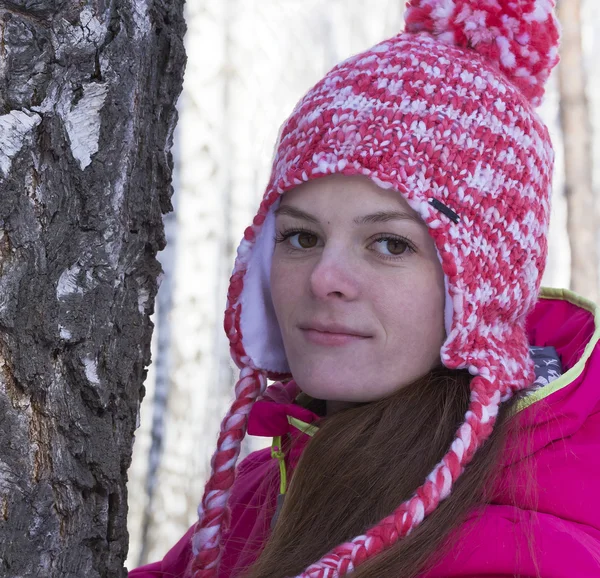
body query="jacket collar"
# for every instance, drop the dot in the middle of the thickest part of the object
(571, 324)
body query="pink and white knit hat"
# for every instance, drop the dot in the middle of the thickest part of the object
(444, 114)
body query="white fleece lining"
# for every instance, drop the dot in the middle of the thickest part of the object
(260, 330)
(448, 308)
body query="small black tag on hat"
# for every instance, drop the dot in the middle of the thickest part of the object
(444, 209)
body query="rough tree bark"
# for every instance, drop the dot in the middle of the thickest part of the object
(87, 111)
(582, 221)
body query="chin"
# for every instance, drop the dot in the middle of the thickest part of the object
(338, 388)
(324, 389)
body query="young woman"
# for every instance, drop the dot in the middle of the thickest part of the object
(434, 415)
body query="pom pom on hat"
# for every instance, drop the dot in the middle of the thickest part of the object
(520, 37)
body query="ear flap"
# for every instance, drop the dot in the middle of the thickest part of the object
(261, 335)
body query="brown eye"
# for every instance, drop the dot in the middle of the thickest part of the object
(304, 240)
(392, 246)
(395, 246)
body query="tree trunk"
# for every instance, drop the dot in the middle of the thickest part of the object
(87, 112)
(582, 221)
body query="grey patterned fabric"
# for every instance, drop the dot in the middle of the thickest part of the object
(547, 365)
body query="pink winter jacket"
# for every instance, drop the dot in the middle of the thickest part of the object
(559, 521)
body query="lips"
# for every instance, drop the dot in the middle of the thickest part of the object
(333, 328)
(332, 334)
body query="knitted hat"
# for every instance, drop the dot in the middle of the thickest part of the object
(444, 114)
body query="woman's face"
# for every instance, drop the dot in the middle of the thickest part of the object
(358, 289)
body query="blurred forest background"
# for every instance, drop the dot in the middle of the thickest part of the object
(248, 64)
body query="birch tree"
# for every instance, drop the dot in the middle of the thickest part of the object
(582, 221)
(87, 113)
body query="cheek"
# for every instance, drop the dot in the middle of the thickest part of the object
(412, 313)
(287, 286)
(277, 281)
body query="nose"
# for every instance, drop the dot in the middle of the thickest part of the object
(335, 275)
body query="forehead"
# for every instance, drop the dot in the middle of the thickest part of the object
(348, 196)
(356, 194)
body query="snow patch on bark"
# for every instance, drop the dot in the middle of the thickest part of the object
(141, 19)
(67, 283)
(91, 370)
(93, 30)
(118, 191)
(89, 30)
(82, 120)
(14, 128)
(143, 298)
(83, 123)
(64, 332)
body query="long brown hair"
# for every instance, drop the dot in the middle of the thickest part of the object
(364, 462)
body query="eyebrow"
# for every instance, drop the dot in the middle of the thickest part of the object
(296, 213)
(378, 217)
(385, 216)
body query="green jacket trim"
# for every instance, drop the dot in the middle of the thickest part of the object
(572, 374)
